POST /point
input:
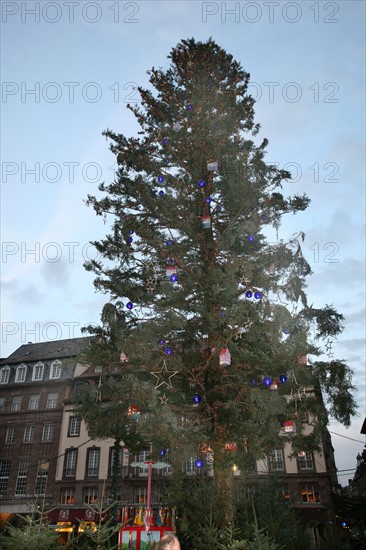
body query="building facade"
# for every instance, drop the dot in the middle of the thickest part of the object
(47, 459)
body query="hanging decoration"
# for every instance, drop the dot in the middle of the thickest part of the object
(206, 222)
(134, 412)
(289, 427)
(198, 463)
(164, 376)
(123, 358)
(224, 357)
(212, 166)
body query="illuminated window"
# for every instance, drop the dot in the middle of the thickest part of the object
(90, 495)
(67, 495)
(309, 492)
(285, 492)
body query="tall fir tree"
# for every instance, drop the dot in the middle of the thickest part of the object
(206, 319)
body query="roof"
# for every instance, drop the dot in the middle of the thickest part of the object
(363, 429)
(55, 349)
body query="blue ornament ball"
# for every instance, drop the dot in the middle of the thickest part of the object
(250, 238)
(283, 378)
(189, 107)
(161, 341)
(174, 278)
(162, 452)
(201, 183)
(199, 463)
(168, 350)
(249, 294)
(257, 295)
(208, 200)
(267, 380)
(161, 193)
(197, 398)
(129, 305)
(160, 179)
(165, 141)
(169, 242)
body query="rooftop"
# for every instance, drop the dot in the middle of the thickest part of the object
(55, 349)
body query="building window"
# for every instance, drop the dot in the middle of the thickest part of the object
(38, 372)
(10, 435)
(140, 495)
(123, 461)
(74, 426)
(143, 456)
(51, 400)
(71, 457)
(67, 495)
(90, 495)
(21, 373)
(79, 388)
(286, 492)
(41, 480)
(306, 462)
(28, 434)
(4, 375)
(92, 468)
(2, 403)
(276, 461)
(309, 492)
(190, 467)
(4, 475)
(55, 371)
(47, 434)
(33, 403)
(16, 403)
(22, 477)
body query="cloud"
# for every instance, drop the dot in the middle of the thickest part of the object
(57, 273)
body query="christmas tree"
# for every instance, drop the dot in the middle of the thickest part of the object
(207, 322)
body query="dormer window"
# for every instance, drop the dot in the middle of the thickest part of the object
(55, 371)
(38, 372)
(21, 373)
(4, 375)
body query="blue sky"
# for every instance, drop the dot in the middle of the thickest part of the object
(83, 60)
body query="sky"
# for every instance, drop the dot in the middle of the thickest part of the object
(69, 68)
